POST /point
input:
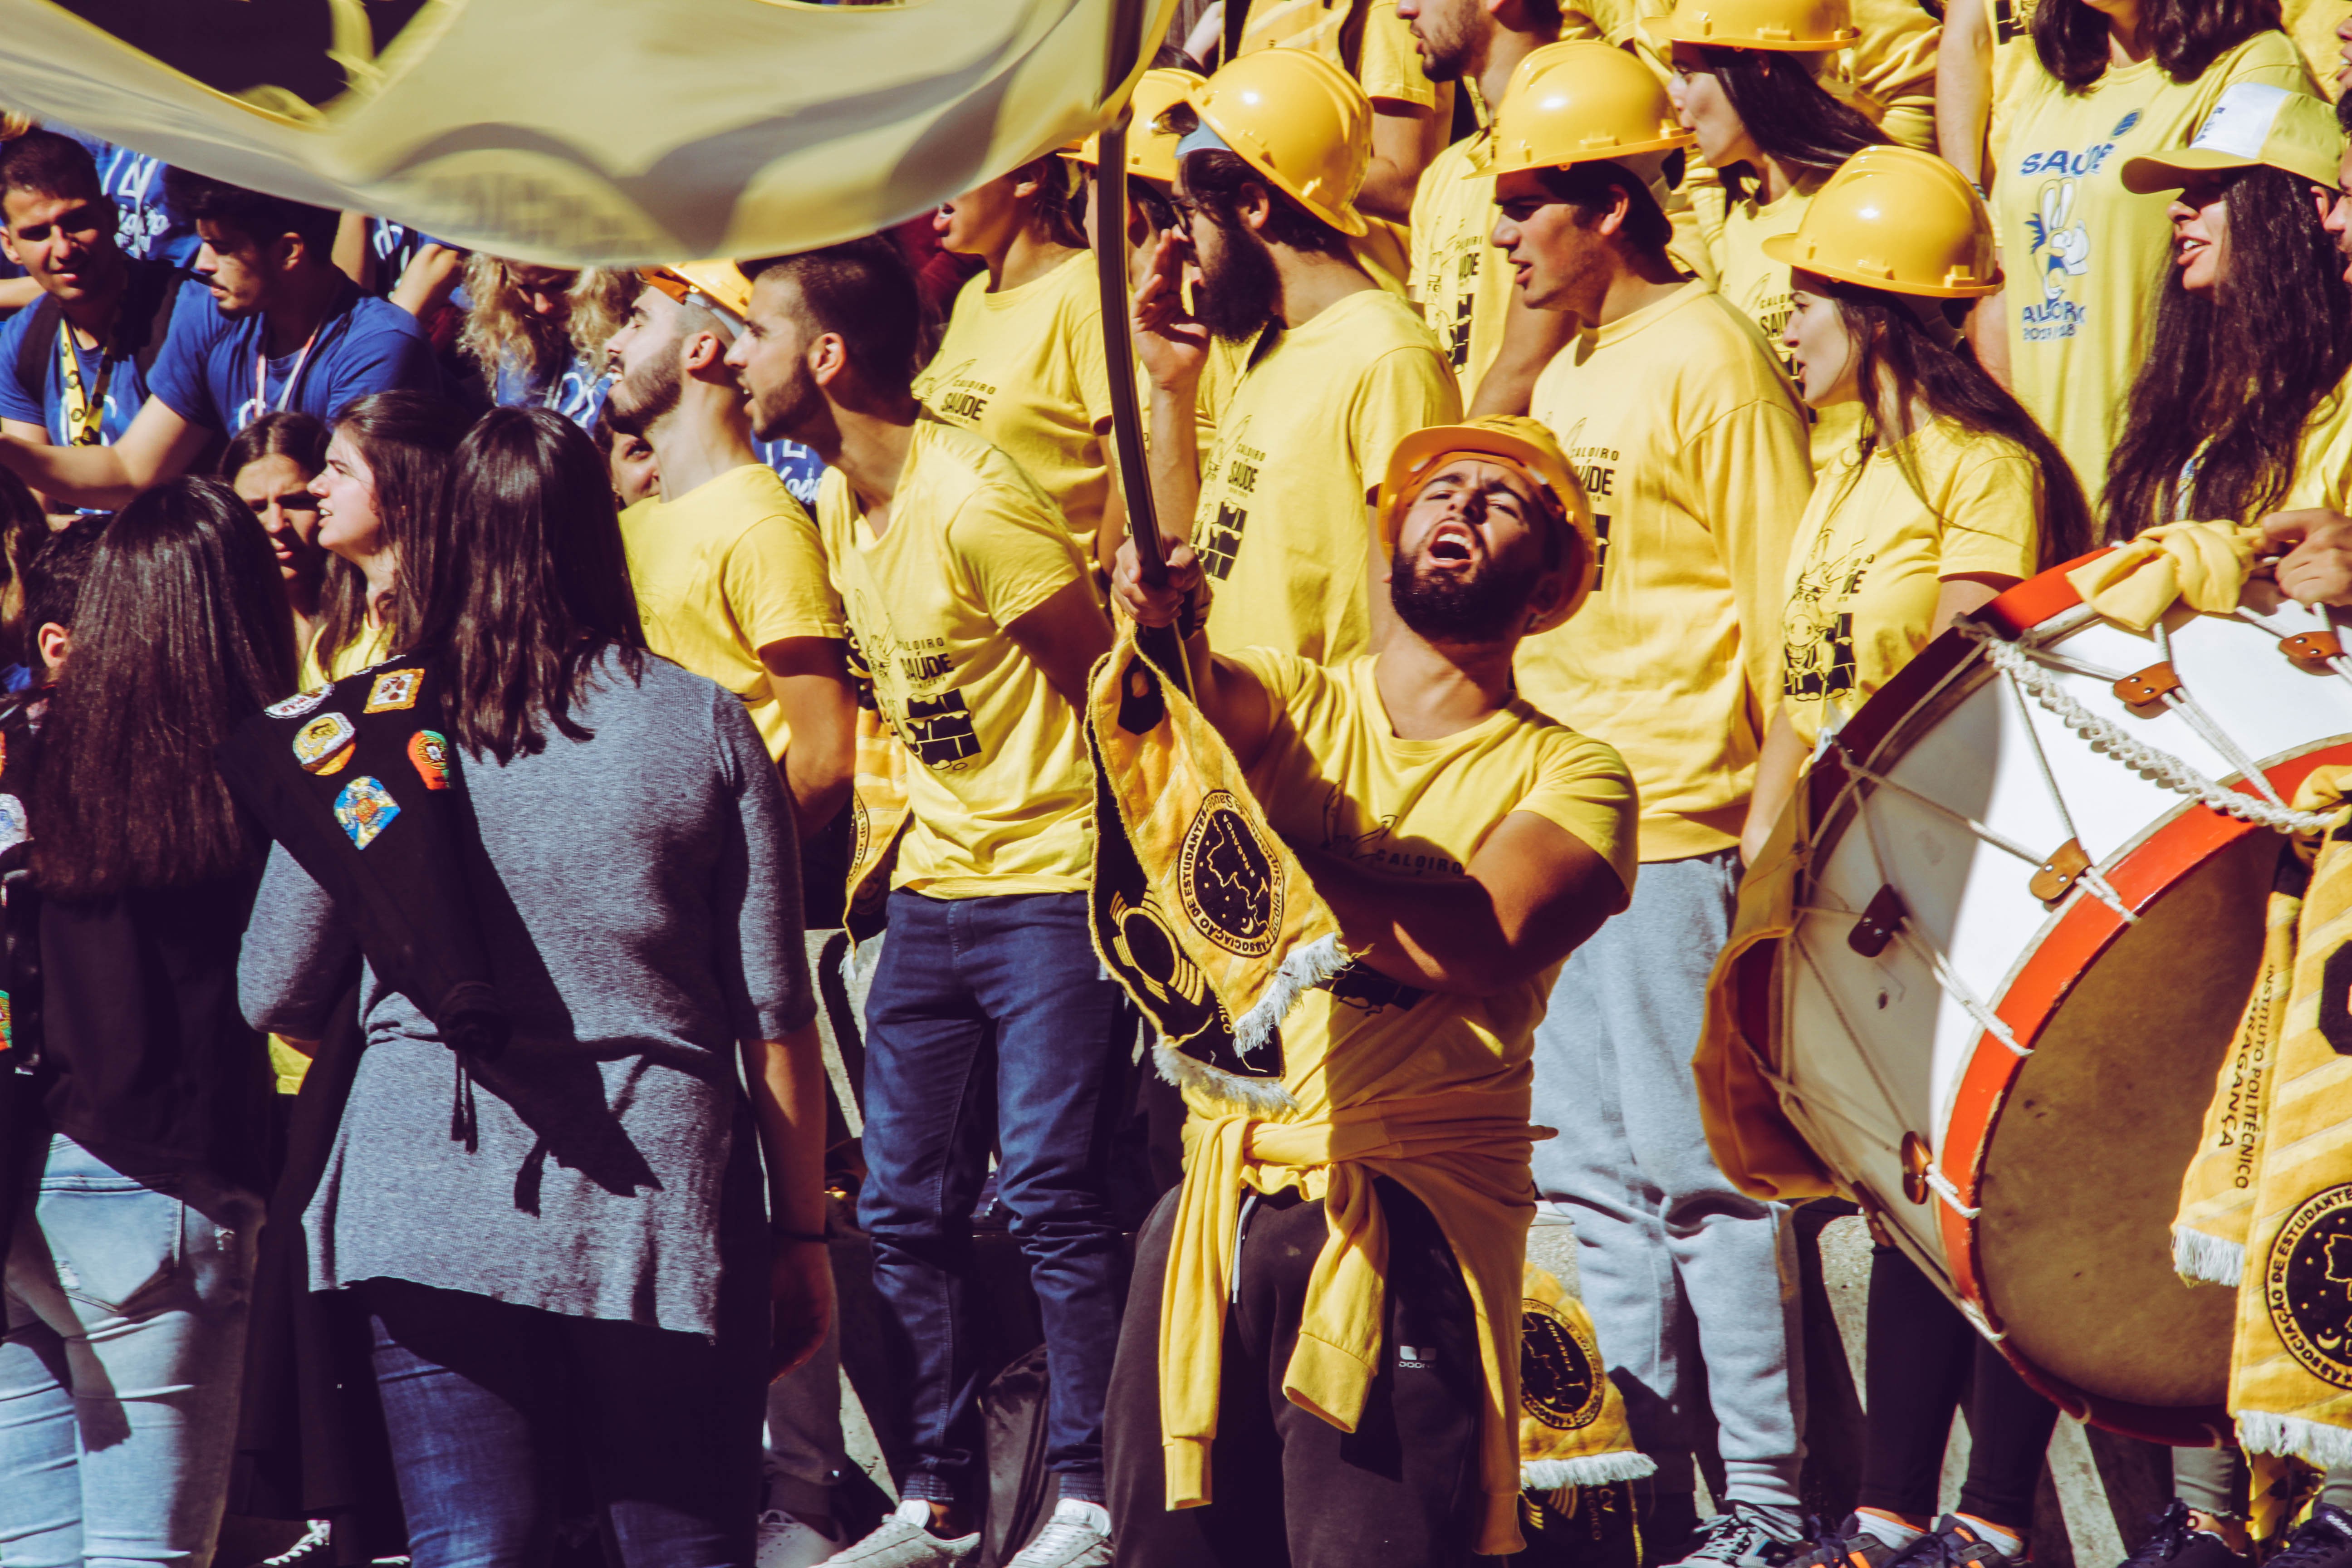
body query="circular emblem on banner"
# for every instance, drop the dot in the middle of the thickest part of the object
(861, 829)
(2307, 1285)
(1226, 877)
(1560, 1380)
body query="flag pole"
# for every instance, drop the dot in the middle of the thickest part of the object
(1162, 645)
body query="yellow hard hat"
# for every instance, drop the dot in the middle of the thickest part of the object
(718, 287)
(1151, 151)
(1521, 442)
(1580, 103)
(1794, 26)
(1900, 220)
(1298, 120)
(2252, 123)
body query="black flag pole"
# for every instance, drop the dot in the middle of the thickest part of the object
(1162, 645)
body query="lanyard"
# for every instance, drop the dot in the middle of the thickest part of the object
(85, 411)
(257, 408)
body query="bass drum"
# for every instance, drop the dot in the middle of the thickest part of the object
(2022, 945)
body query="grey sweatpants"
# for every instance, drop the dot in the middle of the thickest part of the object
(806, 1455)
(1691, 1285)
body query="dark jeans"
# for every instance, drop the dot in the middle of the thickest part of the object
(1920, 1355)
(494, 1409)
(992, 1018)
(1291, 1490)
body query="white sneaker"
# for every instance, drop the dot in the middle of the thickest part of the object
(1077, 1536)
(788, 1542)
(905, 1540)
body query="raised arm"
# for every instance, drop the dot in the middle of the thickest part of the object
(158, 446)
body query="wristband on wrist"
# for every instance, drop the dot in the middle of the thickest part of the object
(784, 1233)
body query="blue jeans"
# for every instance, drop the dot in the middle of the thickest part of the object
(124, 1299)
(993, 1017)
(488, 1406)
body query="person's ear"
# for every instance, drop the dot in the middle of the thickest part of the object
(828, 360)
(8, 247)
(54, 641)
(286, 252)
(1254, 206)
(701, 351)
(1612, 222)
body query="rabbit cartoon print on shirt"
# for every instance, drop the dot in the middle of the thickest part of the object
(2060, 250)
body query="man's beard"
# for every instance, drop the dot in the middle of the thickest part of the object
(1446, 51)
(777, 415)
(1238, 292)
(642, 397)
(1488, 606)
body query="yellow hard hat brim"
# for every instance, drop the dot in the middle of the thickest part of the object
(1782, 247)
(1662, 31)
(1499, 162)
(1345, 218)
(1423, 450)
(2144, 176)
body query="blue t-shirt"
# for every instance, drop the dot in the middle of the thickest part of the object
(41, 399)
(577, 393)
(799, 467)
(147, 228)
(207, 372)
(395, 246)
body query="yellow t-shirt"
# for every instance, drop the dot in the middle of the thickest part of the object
(1893, 69)
(373, 645)
(2323, 466)
(1759, 286)
(1871, 556)
(2311, 24)
(1380, 53)
(1691, 448)
(1335, 777)
(1000, 802)
(1459, 279)
(1025, 368)
(1282, 529)
(2084, 256)
(727, 569)
(2015, 66)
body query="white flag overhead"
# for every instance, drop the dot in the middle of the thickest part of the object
(588, 130)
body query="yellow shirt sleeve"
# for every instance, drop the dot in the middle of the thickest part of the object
(776, 583)
(1404, 390)
(1994, 518)
(2323, 464)
(1754, 472)
(1586, 792)
(1013, 549)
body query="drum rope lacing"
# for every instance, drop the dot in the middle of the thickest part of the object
(2030, 668)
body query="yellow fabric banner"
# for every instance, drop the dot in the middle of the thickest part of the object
(878, 814)
(1572, 1430)
(1200, 909)
(2291, 1364)
(595, 131)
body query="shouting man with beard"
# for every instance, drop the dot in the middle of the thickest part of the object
(1341, 370)
(729, 576)
(1467, 844)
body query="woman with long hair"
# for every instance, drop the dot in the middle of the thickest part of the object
(126, 1289)
(1768, 126)
(1021, 361)
(379, 503)
(2114, 79)
(1952, 494)
(2240, 406)
(537, 333)
(585, 1272)
(270, 464)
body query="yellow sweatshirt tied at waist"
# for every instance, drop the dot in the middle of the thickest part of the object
(1463, 1153)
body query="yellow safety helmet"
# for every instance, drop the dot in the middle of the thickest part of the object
(1526, 445)
(1792, 26)
(1299, 120)
(1151, 150)
(1581, 103)
(1900, 220)
(718, 287)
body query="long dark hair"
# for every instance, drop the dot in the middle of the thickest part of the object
(179, 632)
(23, 529)
(531, 584)
(1788, 115)
(1934, 368)
(2184, 35)
(2232, 376)
(406, 439)
(288, 433)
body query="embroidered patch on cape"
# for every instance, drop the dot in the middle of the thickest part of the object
(325, 743)
(429, 751)
(366, 809)
(393, 689)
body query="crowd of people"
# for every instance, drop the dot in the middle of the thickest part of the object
(1559, 415)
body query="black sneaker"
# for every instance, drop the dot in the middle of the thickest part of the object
(1850, 1546)
(1735, 1538)
(2177, 1543)
(2322, 1540)
(1952, 1544)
